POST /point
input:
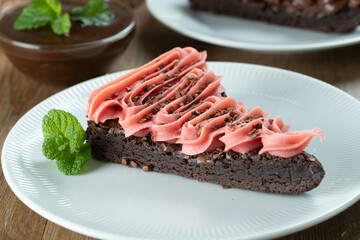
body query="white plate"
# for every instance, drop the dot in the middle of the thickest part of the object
(244, 34)
(110, 201)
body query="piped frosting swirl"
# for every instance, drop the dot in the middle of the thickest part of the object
(176, 99)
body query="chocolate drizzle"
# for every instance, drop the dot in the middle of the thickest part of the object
(190, 109)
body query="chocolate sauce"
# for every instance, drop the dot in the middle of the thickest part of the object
(86, 52)
(78, 33)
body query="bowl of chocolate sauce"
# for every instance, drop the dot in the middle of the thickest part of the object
(84, 53)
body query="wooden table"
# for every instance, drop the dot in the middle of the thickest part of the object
(19, 94)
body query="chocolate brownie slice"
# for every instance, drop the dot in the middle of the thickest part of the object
(324, 16)
(264, 173)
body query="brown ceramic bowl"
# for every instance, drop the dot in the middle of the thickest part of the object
(85, 53)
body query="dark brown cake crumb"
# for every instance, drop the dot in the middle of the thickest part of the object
(264, 173)
(347, 19)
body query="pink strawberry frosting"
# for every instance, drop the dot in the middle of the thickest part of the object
(178, 100)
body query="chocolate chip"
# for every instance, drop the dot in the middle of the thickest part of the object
(149, 116)
(195, 113)
(124, 162)
(255, 135)
(153, 136)
(311, 170)
(203, 123)
(177, 95)
(189, 98)
(142, 120)
(135, 99)
(214, 127)
(252, 131)
(134, 164)
(257, 126)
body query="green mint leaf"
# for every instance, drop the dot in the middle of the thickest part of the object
(64, 141)
(41, 13)
(31, 18)
(82, 156)
(76, 138)
(72, 166)
(95, 12)
(61, 25)
(56, 148)
(59, 122)
(51, 8)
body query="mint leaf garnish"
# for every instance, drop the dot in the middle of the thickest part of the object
(95, 12)
(31, 18)
(50, 8)
(62, 24)
(72, 166)
(64, 141)
(56, 148)
(41, 13)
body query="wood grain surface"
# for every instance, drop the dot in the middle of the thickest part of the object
(18, 94)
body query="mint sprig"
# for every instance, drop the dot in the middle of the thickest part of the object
(95, 12)
(51, 8)
(41, 13)
(31, 18)
(64, 141)
(62, 24)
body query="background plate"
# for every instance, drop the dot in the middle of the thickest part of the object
(244, 34)
(110, 201)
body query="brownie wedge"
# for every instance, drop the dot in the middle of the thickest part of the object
(251, 171)
(342, 16)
